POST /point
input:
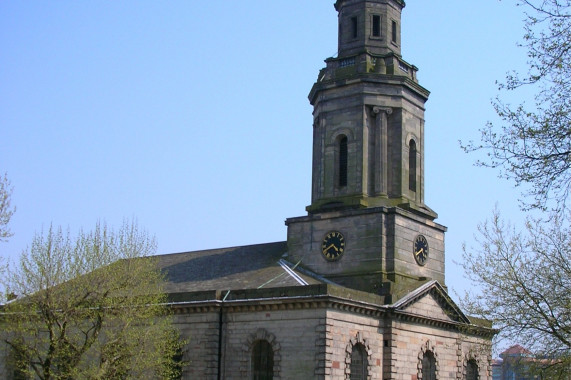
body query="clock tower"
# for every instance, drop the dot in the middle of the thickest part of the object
(367, 226)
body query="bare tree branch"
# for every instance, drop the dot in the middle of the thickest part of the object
(532, 144)
(523, 281)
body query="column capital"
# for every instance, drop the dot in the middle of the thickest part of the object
(379, 109)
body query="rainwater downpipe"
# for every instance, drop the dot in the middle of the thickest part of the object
(220, 338)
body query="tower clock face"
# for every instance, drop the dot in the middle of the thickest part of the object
(333, 246)
(420, 250)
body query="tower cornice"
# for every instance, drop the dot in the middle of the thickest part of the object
(339, 3)
(368, 67)
(368, 78)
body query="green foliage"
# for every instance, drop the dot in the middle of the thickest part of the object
(6, 211)
(532, 146)
(90, 308)
(524, 285)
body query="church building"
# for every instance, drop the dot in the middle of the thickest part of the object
(358, 289)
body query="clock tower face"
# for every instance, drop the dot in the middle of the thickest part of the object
(420, 250)
(333, 246)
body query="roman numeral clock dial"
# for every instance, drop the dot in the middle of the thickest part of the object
(420, 250)
(333, 246)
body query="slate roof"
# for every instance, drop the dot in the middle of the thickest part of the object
(515, 350)
(261, 273)
(245, 267)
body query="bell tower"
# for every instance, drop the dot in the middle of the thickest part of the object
(368, 144)
(368, 162)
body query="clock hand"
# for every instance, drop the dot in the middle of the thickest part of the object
(419, 251)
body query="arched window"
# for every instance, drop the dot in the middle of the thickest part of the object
(175, 367)
(359, 362)
(262, 361)
(19, 375)
(343, 161)
(412, 166)
(17, 365)
(428, 366)
(472, 370)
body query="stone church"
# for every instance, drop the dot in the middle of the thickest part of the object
(358, 289)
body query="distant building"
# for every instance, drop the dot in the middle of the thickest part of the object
(515, 364)
(496, 369)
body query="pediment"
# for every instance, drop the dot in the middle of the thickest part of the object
(431, 301)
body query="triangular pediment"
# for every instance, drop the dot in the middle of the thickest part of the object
(431, 301)
(428, 306)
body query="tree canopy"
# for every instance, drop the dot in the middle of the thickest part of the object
(532, 144)
(6, 210)
(92, 307)
(524, 286)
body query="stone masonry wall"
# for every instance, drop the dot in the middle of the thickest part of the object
(201, 352)
(344, 330)
(408, 341)
(294, 336)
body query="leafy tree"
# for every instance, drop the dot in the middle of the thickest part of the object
(6, 211)
(524, 282)
(533, 144)
(90, 308)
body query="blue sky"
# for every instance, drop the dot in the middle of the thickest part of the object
(192, 116)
